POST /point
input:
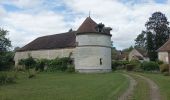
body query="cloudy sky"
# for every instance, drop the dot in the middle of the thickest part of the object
(28, 19)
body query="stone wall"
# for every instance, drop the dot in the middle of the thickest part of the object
(44, 54)
(163, 56)
(93, 53)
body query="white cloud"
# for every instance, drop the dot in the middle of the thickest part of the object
(127, 20)
(30, 26)
(23, 3)
(39, 18)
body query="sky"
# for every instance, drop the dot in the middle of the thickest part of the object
(28, 19)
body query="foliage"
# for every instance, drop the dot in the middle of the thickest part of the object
(70, 68)
(6, 78)
(40, 64)
(140, 40)
(160, 62)
(164, 67)
(6, 60)
(156, 34)
(136, 65)
(5, 43)
(119, 64)
(150, 66)
(28, 62)
(58, 64)
(130, 67)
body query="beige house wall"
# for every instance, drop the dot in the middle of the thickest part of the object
(133, 53)
(163, 56)
(44, 54)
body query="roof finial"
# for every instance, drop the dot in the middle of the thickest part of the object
(89, 13)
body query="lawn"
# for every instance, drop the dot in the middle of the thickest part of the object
(163, 82)
(65, 86)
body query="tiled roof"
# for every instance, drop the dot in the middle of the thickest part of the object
(63, 40)
(165, 47)
(87, 26)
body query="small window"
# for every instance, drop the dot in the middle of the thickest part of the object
(100, 61)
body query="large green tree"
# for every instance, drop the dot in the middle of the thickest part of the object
(156, 34)
(5, 43)
(6, 57)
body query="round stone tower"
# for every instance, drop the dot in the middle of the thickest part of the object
(93, 48)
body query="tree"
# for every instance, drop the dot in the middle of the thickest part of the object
(5, 43)
(156, 34)
(140, 40)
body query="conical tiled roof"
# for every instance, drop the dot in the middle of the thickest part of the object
(165, 47)
(87, 26)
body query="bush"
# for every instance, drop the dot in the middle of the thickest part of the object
(58, 64)
(6, 60)
(164, 67)
(40, 64)
(6, 78)
(119, 64)
(28, 62)
(150, 66)
(130, 67)
(159, 62)
(70, 68)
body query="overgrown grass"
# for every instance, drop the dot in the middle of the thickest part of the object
(163, 82)
(65, 86)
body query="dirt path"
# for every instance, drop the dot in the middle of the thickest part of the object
(154, 89)
(129, 92)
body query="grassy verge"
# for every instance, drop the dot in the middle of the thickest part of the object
(64, 86)
(163, 82)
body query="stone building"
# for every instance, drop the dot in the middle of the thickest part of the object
(164, 52)
(89, 46)
(138, 54)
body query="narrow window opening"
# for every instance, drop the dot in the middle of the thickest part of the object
(100, 61)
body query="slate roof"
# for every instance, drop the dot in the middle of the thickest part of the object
(165, 47)
(63, 40)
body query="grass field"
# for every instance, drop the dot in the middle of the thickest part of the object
(65, 86)
(163, 82)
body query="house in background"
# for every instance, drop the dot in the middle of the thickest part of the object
(138, 54)
(164, 52)
(89, 46)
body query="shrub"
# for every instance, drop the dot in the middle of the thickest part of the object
(6, 60)
(149, 66)
(28, 62)
(136, 65)
(6, 78)
(40, 64)
(164, 67)
(130, 67)
(70, 68)
(58, 64)
(119, 64)
(159, 62)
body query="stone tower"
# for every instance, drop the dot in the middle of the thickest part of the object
(93, 47)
